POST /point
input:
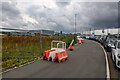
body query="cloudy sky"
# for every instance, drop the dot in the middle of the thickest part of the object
(58, 15)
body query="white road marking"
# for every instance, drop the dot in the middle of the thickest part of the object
(107, 64)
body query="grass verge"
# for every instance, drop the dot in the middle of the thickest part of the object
(18, 50)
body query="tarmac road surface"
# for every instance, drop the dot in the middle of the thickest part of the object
(86, 61)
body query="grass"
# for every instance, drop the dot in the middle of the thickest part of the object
(17, 50)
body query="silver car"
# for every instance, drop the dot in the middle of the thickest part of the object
(116, 53)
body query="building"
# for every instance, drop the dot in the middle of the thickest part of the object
(44, 32)
(19, 32)
(105, 32)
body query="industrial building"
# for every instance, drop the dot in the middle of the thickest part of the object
(103, 31)
(20, 32)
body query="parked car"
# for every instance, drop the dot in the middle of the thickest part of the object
(83, 36)
(97, 37)
(116, 53)
(109, 44)
(102, 39)
(91, 37)
(106, 40)
(80, 40)
(87, 37)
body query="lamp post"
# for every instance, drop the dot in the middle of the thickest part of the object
(118, 19)
(75, 15)
(75, 23)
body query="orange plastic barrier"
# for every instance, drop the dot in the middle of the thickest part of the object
(80, 40)
(57, 53)
(61, 56)
(46, 54)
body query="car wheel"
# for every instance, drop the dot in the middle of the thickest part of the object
(107, 49)
(112, 56)
(115, 62)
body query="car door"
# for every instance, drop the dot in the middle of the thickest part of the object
(114, 49)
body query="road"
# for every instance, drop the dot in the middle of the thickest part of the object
(86, 61)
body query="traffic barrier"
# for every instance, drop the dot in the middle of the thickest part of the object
(46, 54)
(83, 41)
(56, 54)
(70, 46)
(60, 56)
(80, 40)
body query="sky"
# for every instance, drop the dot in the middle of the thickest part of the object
(59, 15)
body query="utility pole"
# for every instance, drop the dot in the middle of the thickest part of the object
(118, 19)
(75, 23)
(40, 41)
(75, 27)
(90, 31)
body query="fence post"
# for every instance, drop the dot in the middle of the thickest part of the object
(40, 41)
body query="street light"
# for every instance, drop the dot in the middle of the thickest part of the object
(75, 23)
(118, 18)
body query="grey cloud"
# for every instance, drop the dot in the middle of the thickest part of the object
(103, 14)
(9, 10)
(11, 16)
(99, 14)
(106, 15)
(61, 18)
(62, 4)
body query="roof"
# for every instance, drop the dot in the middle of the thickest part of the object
(2, 34)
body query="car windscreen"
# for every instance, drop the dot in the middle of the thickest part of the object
(119, 45)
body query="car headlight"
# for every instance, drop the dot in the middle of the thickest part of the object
(109, 44)
(118, 55)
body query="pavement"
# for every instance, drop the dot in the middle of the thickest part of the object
(86, 61)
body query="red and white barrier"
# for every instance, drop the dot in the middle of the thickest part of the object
(80, 40)
(56, 54)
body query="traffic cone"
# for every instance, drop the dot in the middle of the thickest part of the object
(71, 47)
